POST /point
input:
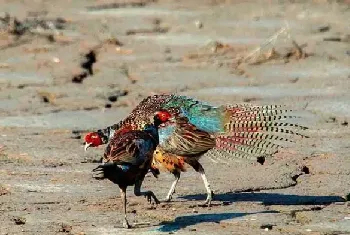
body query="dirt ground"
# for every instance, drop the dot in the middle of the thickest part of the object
(68, 67)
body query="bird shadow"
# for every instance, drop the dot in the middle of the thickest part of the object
(227, 198)
(187, 220)
(269, 198)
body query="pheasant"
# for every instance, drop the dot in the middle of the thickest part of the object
(128, 158)
(223, 133)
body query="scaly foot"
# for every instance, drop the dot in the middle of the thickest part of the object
(150, 195)
(167, 199)
(126, 224)
(209, 199)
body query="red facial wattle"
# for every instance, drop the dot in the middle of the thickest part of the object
(163, 116)
(93, 139)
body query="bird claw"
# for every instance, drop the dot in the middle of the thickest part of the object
(167, 199)
(151, 196)
(126, 225)
(98, 174)
(208, 200)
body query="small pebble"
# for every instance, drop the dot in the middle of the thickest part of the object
(198, 24)
(56, 60)
(113, 98)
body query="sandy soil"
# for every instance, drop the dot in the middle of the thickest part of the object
(61, 77)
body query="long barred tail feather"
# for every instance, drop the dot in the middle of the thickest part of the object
(246, 109)
(230, 142)
(227, 156)
(257, 113)
(265, 118)
(253, 132)
(258, 136)
(250, 146)
(268, 129)
(233, 124)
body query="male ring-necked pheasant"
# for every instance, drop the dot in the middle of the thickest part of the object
(223, 133)
(128, 158)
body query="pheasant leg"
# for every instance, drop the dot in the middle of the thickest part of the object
(207, 187)
(199, 168)
(123, 196)
(148, 194)
(172, 188)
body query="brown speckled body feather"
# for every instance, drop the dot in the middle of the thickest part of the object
(187, 140)
(168, 161)
(131, 152)
(124, 147)
(144, 110)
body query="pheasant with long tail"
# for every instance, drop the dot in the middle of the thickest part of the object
(223, 133)
(128, 158)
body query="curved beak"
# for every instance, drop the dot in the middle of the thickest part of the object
(87, 145)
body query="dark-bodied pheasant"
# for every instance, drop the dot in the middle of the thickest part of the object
(128, 158)
(226, 132)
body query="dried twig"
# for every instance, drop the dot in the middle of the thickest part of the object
(271, 40)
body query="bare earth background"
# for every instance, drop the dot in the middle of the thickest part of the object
(68, 67)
